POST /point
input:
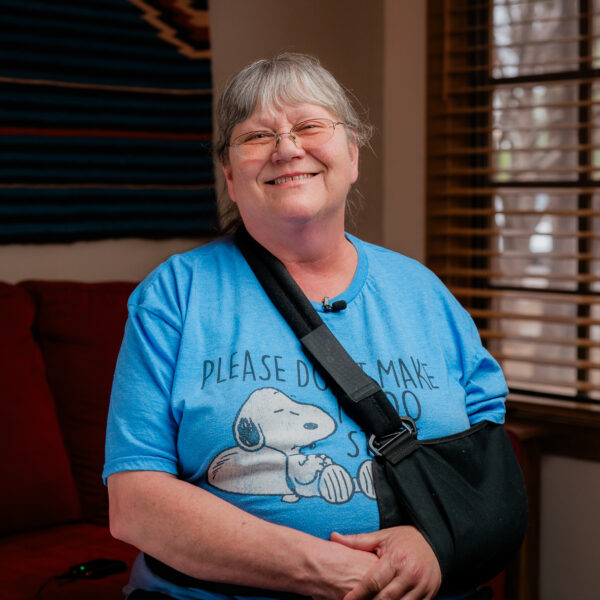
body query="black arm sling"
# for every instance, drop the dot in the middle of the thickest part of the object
(464, 492)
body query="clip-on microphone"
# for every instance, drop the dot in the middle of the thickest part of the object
(335, 307)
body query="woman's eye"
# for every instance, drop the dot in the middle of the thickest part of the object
(309, 127)
(256, 137)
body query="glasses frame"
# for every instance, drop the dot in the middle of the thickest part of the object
(276, 136)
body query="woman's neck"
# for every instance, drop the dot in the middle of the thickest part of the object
(321, 262)
(328, 275)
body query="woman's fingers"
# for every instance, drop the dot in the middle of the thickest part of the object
(407, 568)
(367, 542)
(374, 582)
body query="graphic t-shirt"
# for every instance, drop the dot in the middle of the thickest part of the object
(212, 386)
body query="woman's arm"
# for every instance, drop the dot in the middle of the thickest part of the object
(204, 536)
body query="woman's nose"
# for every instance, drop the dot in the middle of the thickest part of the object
(287, 147)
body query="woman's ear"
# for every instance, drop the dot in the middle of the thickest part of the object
(353, 153)
(228, 180)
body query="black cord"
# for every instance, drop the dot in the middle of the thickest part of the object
(63, 579)
(92, 569)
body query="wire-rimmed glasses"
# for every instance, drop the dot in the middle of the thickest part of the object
(307, 134)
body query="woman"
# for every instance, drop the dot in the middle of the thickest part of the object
(228, 458)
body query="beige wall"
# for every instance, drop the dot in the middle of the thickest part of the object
(570, 529)
(403, 128)
(377, 50)
(347, 37)
(108, 260)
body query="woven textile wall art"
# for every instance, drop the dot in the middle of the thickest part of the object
(105, 120)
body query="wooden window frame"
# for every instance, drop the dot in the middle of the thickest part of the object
(470, 173)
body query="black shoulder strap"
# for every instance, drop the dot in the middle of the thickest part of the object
(360, 395)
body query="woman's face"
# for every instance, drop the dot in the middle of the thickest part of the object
(262, 188)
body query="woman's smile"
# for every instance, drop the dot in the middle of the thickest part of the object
(295, 177)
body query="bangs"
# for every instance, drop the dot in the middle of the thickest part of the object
(275, 90)
(268, 85)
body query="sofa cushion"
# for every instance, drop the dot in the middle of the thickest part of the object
(31, 560)
(38, 489)
(80, 326)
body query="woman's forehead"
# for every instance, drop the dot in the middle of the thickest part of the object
(286, 113)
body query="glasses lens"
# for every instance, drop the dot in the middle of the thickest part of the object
(254, 138)
(314, 132)
(308, 134)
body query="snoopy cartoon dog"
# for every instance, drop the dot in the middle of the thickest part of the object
(270, 431)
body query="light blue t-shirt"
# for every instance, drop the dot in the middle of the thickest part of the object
(212, 385)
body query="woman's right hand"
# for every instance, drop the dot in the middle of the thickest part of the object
(343, 572)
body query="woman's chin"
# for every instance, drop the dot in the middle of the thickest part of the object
(304, 212)
(296, 214)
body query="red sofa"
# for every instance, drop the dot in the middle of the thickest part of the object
(58, 347)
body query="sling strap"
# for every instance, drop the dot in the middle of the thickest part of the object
(360, 395)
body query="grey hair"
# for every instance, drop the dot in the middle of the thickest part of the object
(289, 78)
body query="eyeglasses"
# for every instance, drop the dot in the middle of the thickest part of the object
(308, 134)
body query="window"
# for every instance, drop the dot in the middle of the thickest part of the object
(513, 198)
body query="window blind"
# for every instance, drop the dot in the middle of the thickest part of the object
(513, 183)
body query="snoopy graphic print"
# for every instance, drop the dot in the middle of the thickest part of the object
(276, 453)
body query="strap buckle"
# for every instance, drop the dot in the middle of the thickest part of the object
(379, 445)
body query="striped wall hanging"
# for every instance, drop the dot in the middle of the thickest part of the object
(105, 120)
